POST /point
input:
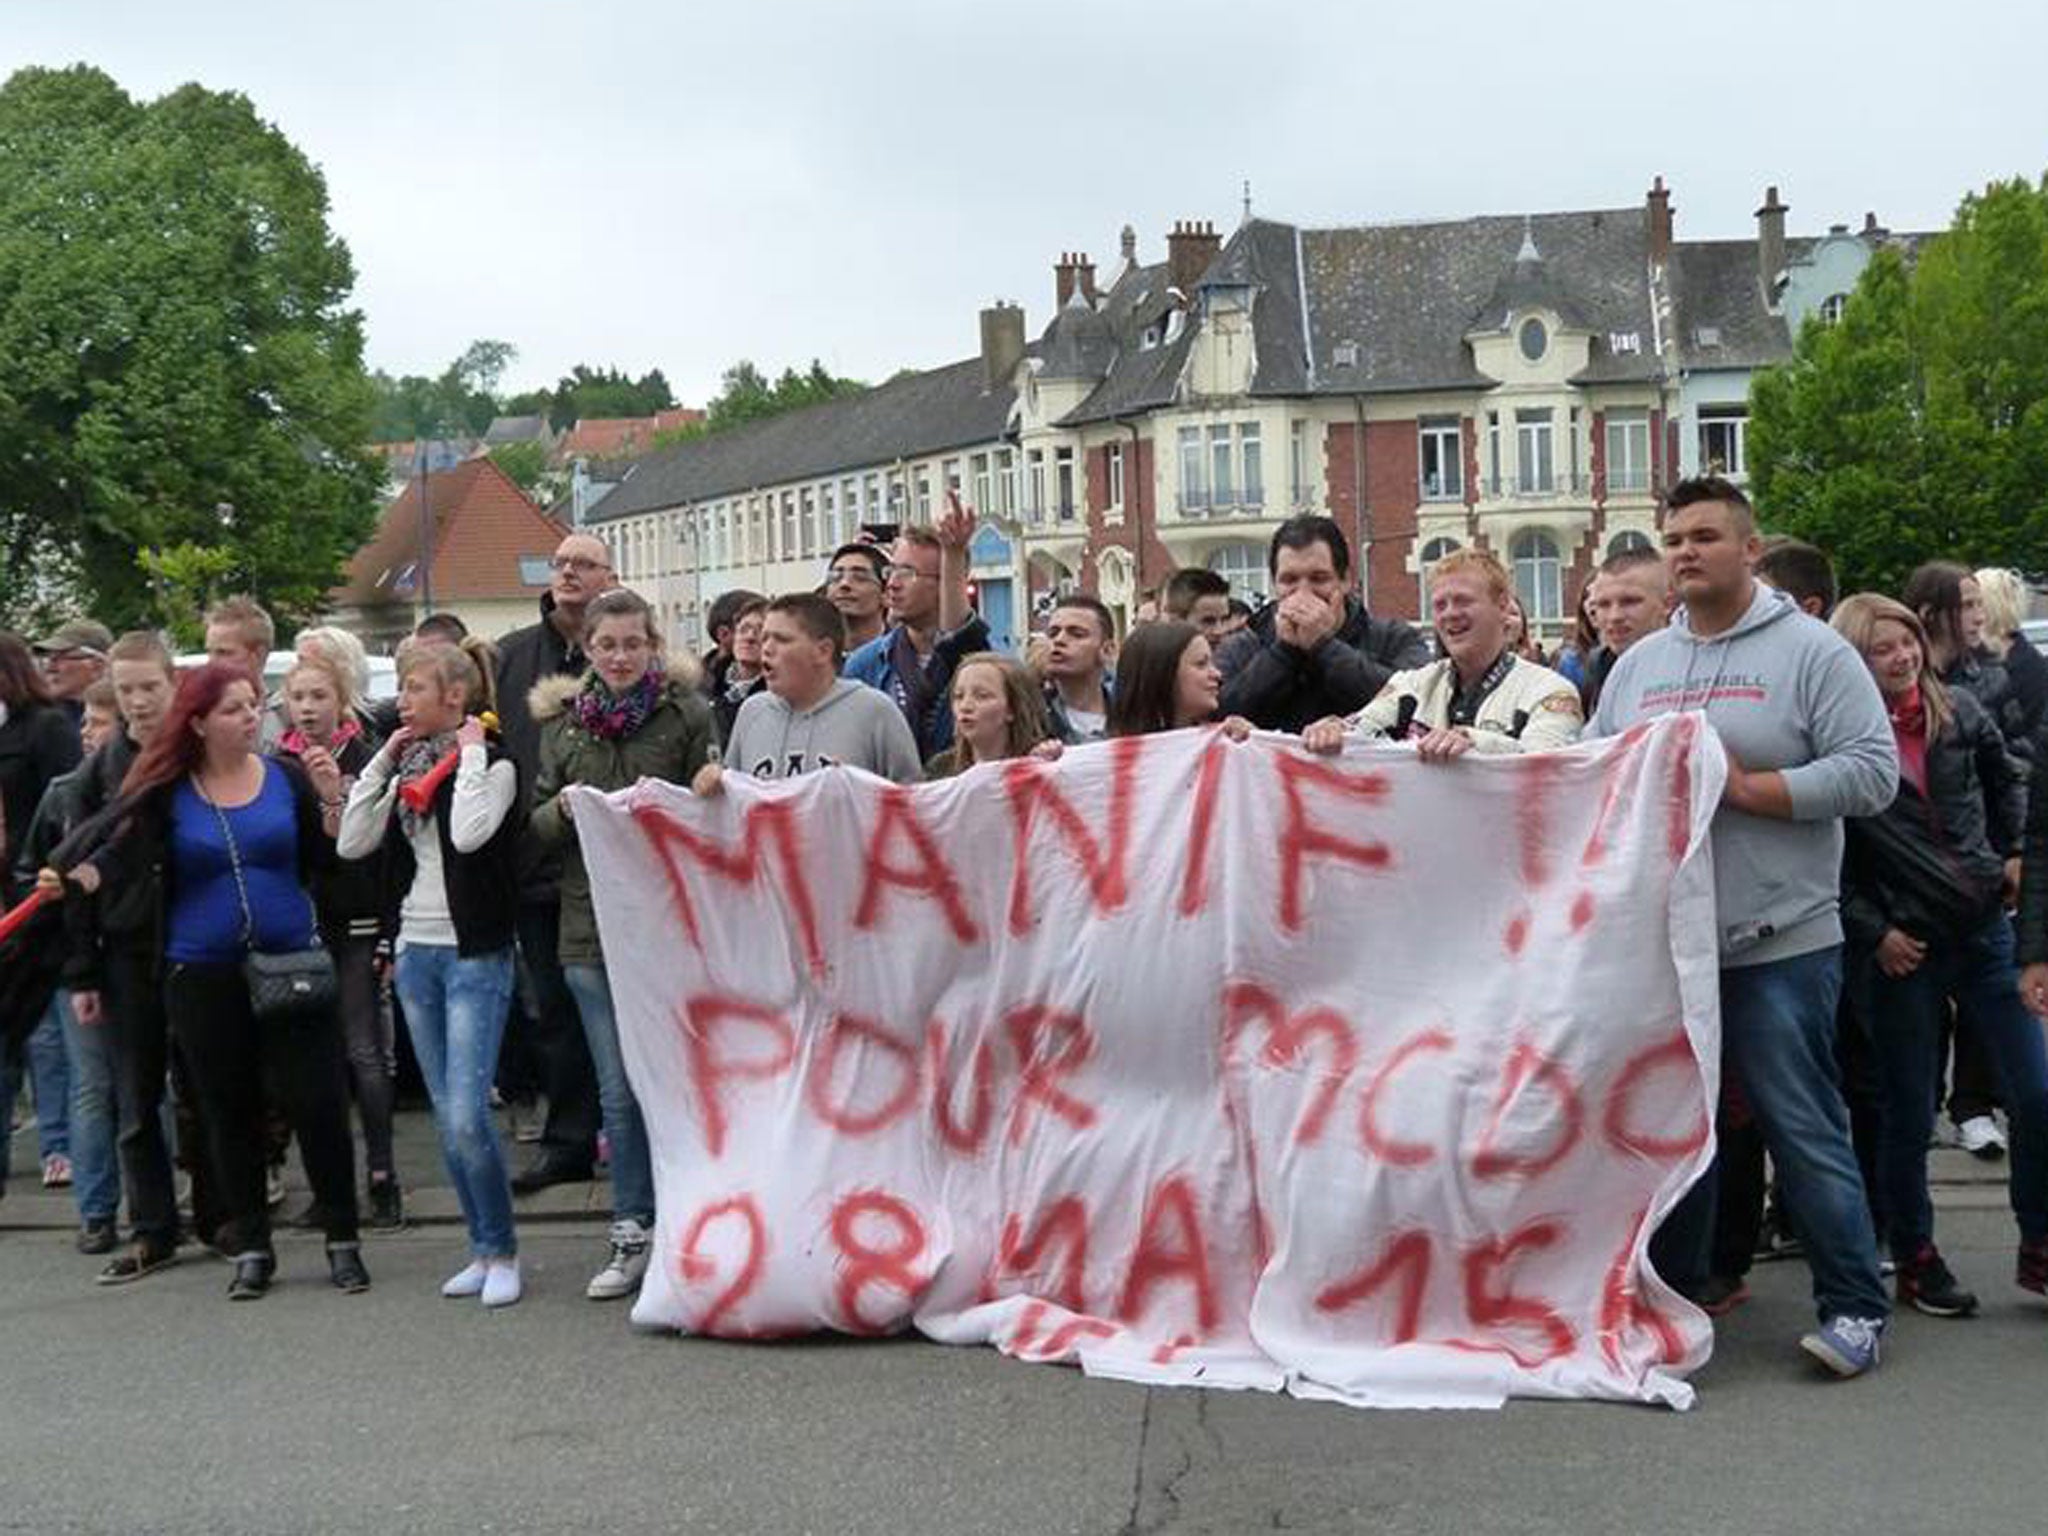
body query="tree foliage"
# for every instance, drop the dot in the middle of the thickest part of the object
(1916, 428)
(179, 366)
(747, 394)
(525, 464)
(459, 403)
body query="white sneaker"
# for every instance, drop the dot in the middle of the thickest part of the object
(501, 1282)
(1980, 1137)
(626, 1264)
(469, 1283)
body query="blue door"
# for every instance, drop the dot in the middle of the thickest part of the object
(1000, 609)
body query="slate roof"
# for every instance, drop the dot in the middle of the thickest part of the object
(911, 416)
(1723, 322)
(483, 526)
(1133, 377)
(1406, 295)
(517, 429)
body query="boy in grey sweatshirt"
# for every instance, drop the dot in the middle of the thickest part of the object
(809, 717)
(1808, 743)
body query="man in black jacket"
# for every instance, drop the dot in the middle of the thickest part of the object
(568, 1142)
(1313, 651)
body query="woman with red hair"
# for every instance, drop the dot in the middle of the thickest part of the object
(235, 839)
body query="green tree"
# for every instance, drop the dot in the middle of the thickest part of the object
(525, 464)
(187, 580)
(1916, 428)
(746, 394)
(178, 362)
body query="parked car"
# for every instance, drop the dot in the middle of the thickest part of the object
(383, 672)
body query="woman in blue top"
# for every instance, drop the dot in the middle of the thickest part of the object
(237, 838)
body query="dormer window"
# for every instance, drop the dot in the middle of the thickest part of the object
(1535, 339)
(1831, 308)
(1344, 355)
(1150, 340)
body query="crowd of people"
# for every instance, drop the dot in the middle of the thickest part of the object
(237, 884)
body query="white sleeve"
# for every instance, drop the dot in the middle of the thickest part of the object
(368, 810)
(484, 794)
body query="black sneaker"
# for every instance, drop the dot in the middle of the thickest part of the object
(138, 1263)
(1926, 1284)
(98, 1236)
(387, 1206)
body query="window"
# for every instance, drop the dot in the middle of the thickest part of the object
(1539, 575)
(1034, 484)
(1831, 308)
(871, 488)
(1534, 338)
(1244, 567)
(1194, 479)
(1116, 474)
(984, 487)
(849, 510)
(1443, 459)
(924, 495)
(1722, 430)
(807, 523)
(1432, 552)
(949, 475)
(1628, 541)
(1300, 485)
(1063, 482)
(1628, 450)
(786, 550)
(898, 497)
(1535, 461)
(1253, 465)
(1493, 453)
(1576, 482)
(1222, 479)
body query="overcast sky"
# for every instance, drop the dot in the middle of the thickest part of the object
(680, 185)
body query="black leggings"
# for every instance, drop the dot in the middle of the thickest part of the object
(225, 1050)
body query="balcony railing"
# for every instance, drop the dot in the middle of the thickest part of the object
(1248, 502)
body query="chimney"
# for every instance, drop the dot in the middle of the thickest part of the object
(1189, 250)
(1660, 223)
(1002, 342)
(1770, 244)
(1063, 274)
(1872, 230)
(1128, 241)
(1084, 279)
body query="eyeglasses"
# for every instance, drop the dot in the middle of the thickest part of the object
(854, 573)
(632, 645)
(908, 573)
(582, 565)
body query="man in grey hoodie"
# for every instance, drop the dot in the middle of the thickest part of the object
(1808, 743)
(809, 717)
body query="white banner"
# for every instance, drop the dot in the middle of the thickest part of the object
(1191, 1061)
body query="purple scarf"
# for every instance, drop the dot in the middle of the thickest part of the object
(609, 716)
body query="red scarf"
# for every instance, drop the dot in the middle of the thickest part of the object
(1908, 713)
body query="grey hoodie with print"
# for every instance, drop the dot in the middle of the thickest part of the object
(858, 726)
(1785, 692)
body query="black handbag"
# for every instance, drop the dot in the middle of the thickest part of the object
(288, 984)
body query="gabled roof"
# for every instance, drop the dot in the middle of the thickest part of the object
(612, 437)
(911, 416)
(1402, 297)
(482, 527)
(517, 429)
(1136, 376)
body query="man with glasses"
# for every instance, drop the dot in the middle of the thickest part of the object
(931, 627)
(581, 569)
(856, 583)
(74, 658)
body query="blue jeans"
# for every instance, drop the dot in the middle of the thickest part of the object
(455, 1012)
(49, 1078)
(95, 1115)
(632, 1168)
(1777, 1037)
(1978, 974)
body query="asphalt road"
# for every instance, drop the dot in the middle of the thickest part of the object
(163, 1408)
